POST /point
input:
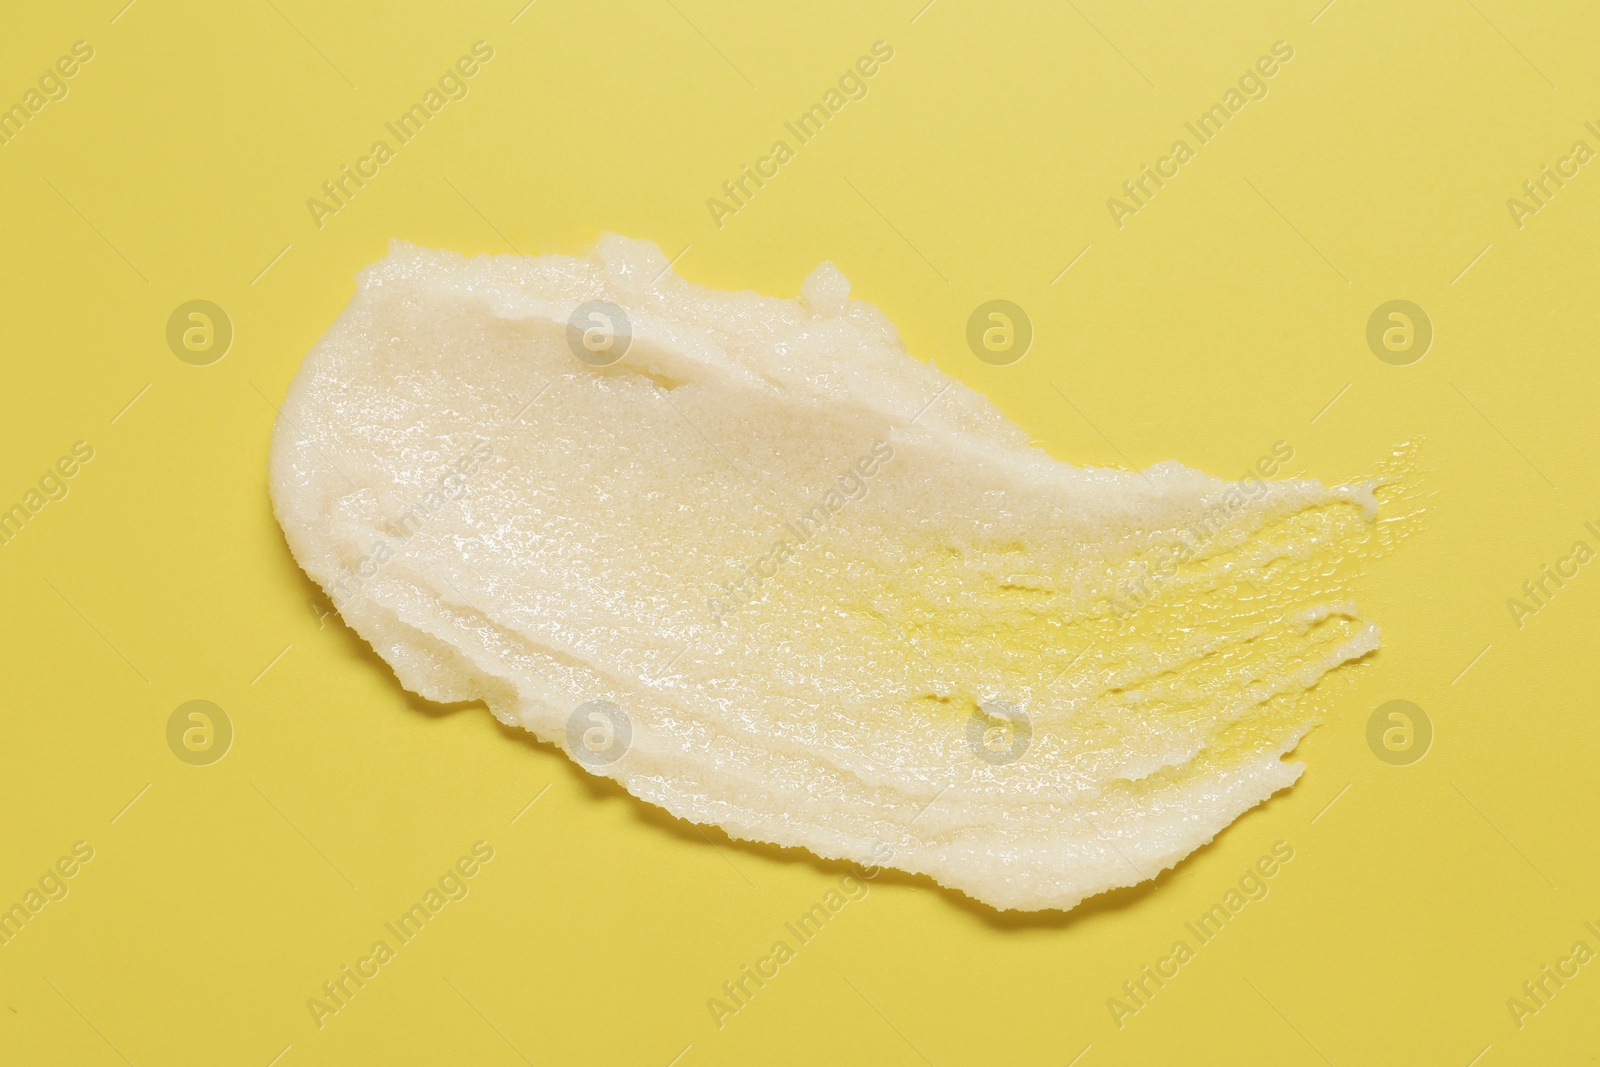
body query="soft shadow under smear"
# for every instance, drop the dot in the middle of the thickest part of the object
(600, 789)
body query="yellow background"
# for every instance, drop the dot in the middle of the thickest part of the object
(1223, 317)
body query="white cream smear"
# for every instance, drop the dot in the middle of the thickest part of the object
(770, 572)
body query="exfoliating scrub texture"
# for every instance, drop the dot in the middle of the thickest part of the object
(757, 563)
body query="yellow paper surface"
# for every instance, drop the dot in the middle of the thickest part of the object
(1225, 315)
